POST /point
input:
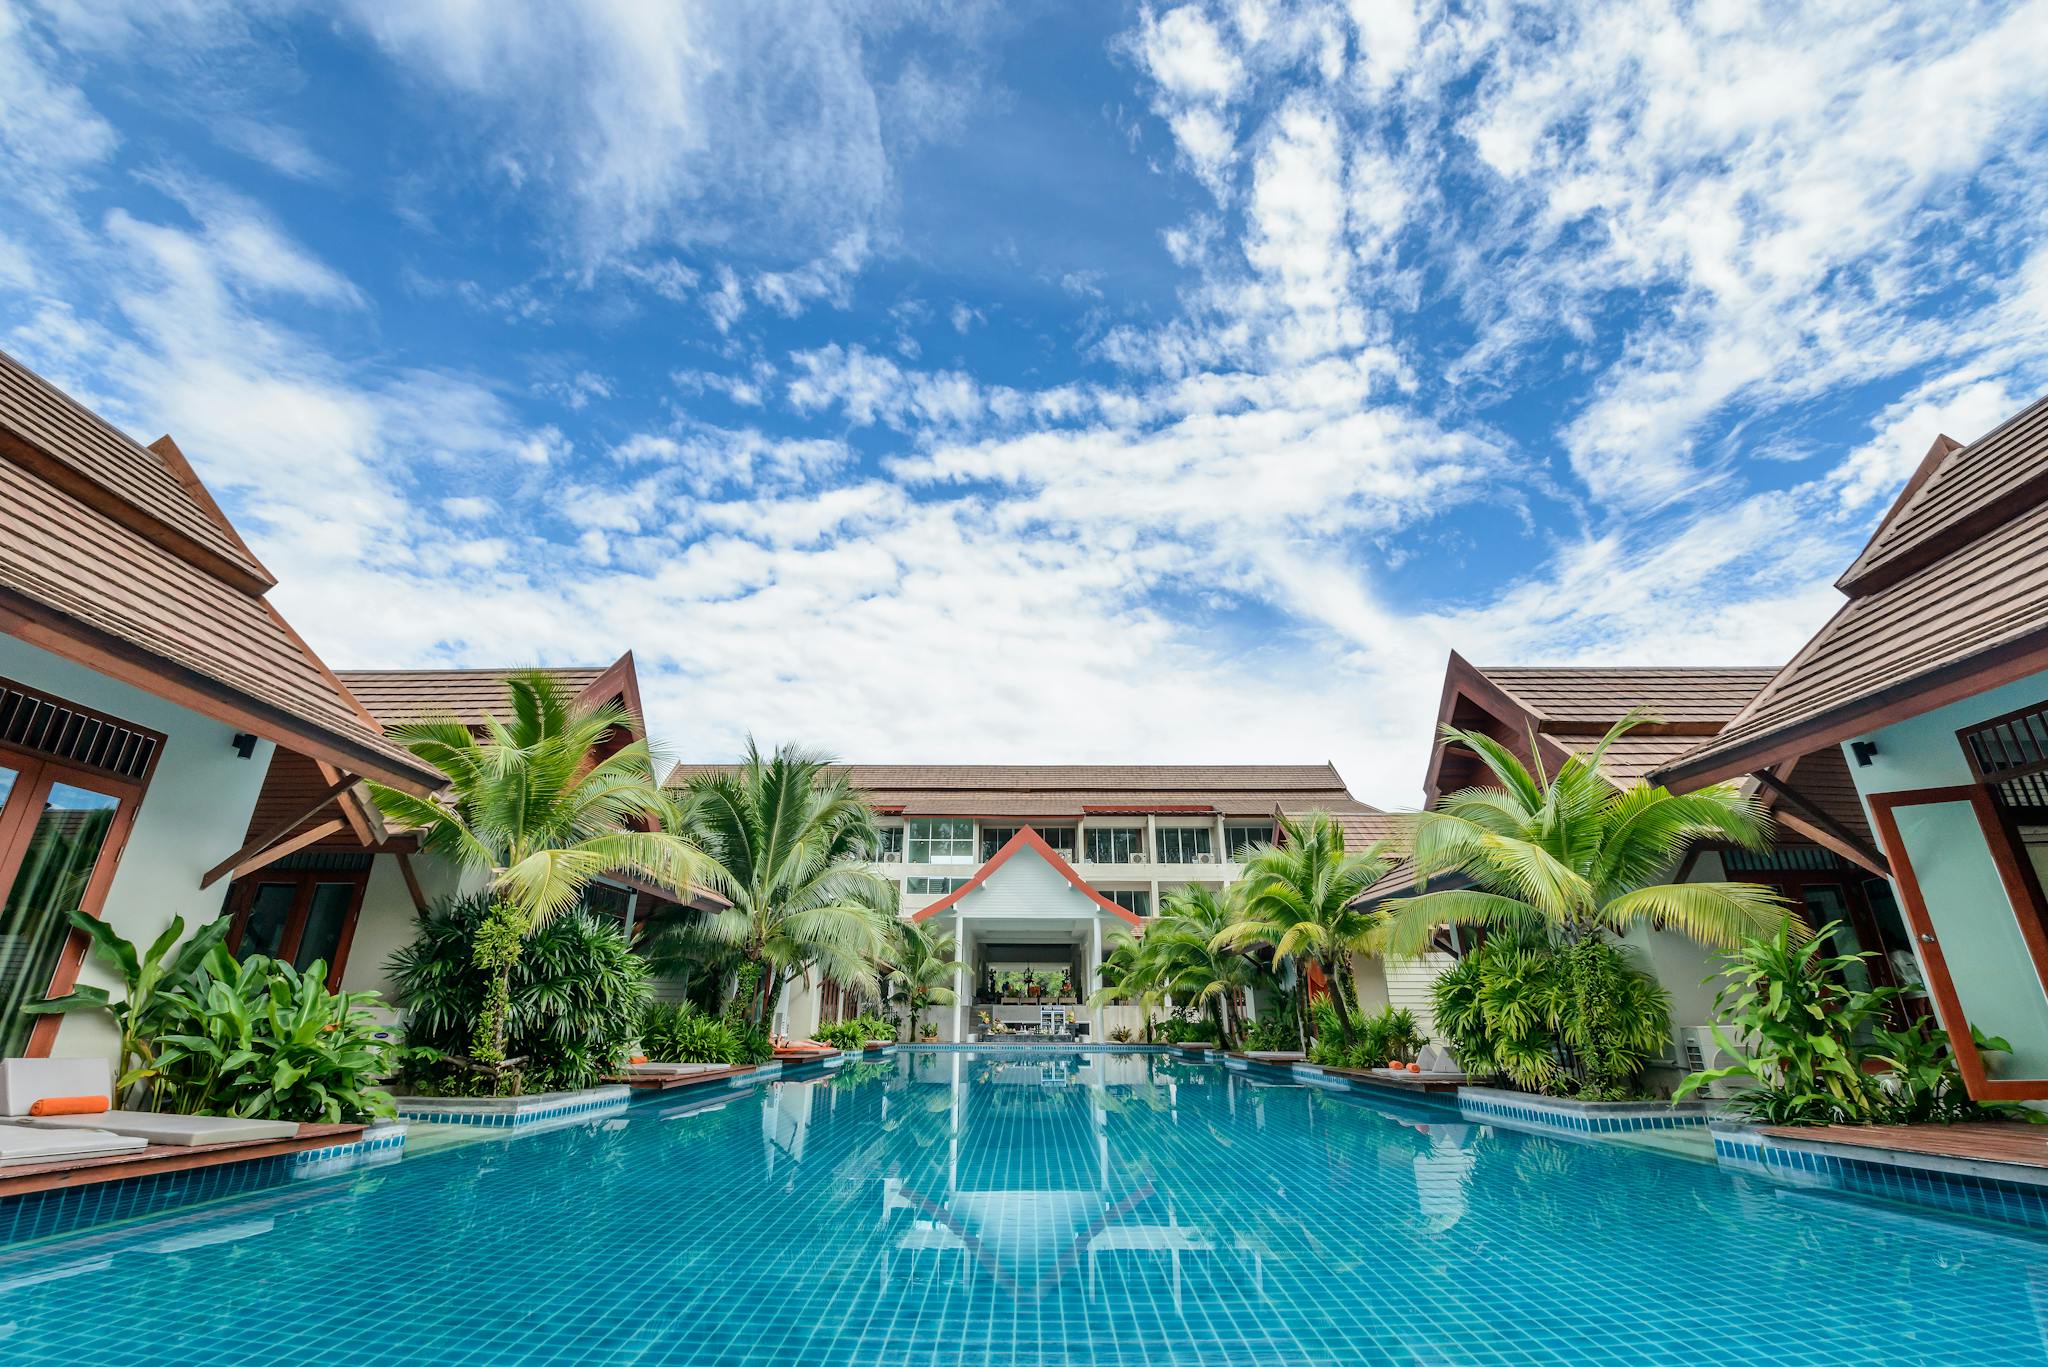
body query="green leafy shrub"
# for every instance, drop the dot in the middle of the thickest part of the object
(1511, 1009)
(148, 977)
(1802, 1031)
(576, 995)
(1277, 1029)
(261, 1040)
(841, 1034)
(1187, 1028)
(1121, 1034)
(1386, 1037)
(680, 1033)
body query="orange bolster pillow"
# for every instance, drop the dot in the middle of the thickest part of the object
(637, 1058)
(68, 1105)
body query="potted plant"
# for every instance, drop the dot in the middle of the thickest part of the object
(928, 1032)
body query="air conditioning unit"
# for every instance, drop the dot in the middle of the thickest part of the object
(1698, 1051)
(892, 856)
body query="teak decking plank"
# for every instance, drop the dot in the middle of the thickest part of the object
(1990, 1142)
(161, 1158)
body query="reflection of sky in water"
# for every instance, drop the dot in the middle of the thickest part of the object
(1056, 1209)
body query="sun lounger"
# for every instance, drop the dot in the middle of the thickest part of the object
(21, 1144)
(673, 1069)
(26, 1081)
(188, 1130)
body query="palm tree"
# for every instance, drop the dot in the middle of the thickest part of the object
(920, 970)
(1572, 858)
(531, 803)
(1303, 897)
(1180, 957)
(788, 844)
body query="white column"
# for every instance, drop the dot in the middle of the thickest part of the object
(965, 984)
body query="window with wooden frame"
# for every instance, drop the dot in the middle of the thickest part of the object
(2009, 756)
(71, 780)
(301, 909)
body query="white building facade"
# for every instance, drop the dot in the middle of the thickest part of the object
(1034, 869)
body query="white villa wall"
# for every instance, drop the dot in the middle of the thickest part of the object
(385, 924)
(195, 814)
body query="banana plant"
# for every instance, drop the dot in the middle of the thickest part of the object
(148, 977)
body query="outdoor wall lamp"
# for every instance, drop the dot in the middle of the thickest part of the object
(1864, 750)
(244, 743)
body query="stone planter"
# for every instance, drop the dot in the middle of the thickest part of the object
(1566, 1116)
(513, 1112)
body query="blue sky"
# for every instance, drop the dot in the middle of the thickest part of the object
(963, 381)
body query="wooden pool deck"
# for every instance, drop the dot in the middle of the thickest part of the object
(1981, 1142)
(26, 1178)
(668, 1082)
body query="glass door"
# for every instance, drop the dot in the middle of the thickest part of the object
(56, 830)
(1979, 928)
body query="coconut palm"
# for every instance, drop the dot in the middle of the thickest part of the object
(1573, 856)
(919, 971)
(1180, 957)
(533, 804)
(1303, 898)
(788, 843)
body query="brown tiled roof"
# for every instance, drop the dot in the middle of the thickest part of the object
(1064, 790)
(402, 695)
(1363, 825)
(1980, 612)
(1951, 496)
(1598, 697)
(70, 445)
(114, 575)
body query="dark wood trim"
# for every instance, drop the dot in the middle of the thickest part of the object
(17, 827)
(40, 625)
(304, 882)
(312, 835)
(412, 880)
(277, 830)
(1940, 984)
(1940, 450)
(104, 501)
(1955, 681)
(1813, 821)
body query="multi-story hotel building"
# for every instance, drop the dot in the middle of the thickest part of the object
(1032, 868)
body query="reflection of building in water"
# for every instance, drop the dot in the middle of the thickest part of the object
(1032, 1189)
(1442, 1172)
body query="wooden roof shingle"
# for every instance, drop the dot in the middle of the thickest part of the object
(1949, 598)
(108, 558)
(402, 695)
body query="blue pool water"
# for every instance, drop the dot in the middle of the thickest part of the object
(1031, 1208)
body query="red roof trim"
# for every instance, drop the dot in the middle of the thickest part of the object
(1023, 839)
(1147, 808)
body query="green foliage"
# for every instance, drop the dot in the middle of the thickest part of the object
(1803, 1032)
(680, 1033)
(787, 842)
(841, 1035)
(1303, 898)
(1390, 1036)
(573, 997)
(919, 972)
(534, 805)
(261, 1040)
(1121, 1034)
(1572, 856)
(1184, 1027)
(1186, 954)
(1279, 1028)
(1513, 1008)
(148, 977)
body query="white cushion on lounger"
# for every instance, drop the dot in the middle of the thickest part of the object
(174, 1129)
(673, 1069)
(23, 1144)
(25, 1081)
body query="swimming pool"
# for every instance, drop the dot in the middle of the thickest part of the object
(1031, 1207)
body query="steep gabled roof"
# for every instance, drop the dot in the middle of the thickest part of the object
(468, 695)
(1949, 599)
(113, 556)
(1028, 839)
